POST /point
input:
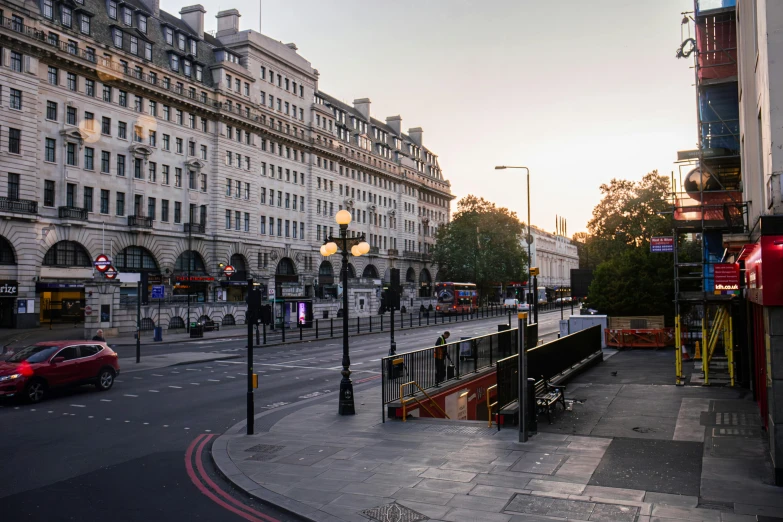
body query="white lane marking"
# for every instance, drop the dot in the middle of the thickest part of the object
(187, 428)
(127, 421)
(117, 380)
(156, 375)
(32, 409)
(108, 418)
(213, 380)
(50, 411)
(89, 416)
(137, 378)
(146, 423)
(192, 370)
(357, 363)
(298, 360)
(230, 377)
(195, 384)
(210, 367)
(374, 360)
(274, 405)
(208, 431)
(78, 406)
(130, 395)
(176, 387)
(165, 425)
(153, 391)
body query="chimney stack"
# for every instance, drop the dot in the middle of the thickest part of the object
(363, 106)
(228, 22)
(416, 134)
(194, 16)
(395, 122)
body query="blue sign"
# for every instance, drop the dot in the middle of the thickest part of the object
(158, 292)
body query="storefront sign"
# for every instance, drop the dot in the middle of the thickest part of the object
(662, 244)
(726, 277)
(195, 278)
(9, 289)
(58, 286)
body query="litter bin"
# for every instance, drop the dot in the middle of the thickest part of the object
(196, 330)
(157, 334)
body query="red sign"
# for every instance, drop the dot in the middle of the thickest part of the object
(110, 272)
(229, 270)
(87, 310)
(102, 263)
(726, 276)
(195, 278)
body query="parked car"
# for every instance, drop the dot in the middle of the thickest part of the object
(32, 371)
(210, 326)
(516, 304)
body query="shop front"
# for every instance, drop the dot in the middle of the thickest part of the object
(195, 286)
(291, 307)
(9, 290)
(61, 302)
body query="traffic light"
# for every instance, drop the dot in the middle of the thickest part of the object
(266, 314)
(253, 304)
(393, 299)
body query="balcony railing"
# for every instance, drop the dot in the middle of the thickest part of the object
(194, 228)
(420, 256)
(393, 252)
(374, 251)
(140, 221)
(21, 206)
(72, 213)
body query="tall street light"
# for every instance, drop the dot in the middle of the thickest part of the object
(529, 240)
(356, 246)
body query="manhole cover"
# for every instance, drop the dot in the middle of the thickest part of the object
(393, 512)
(645, 429)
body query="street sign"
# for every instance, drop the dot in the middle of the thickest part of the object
(88, 310)
(229, 271)
(102, 263)
(158, 292)
(110, 272)
(662, 244)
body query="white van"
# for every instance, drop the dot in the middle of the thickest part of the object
(515, 304)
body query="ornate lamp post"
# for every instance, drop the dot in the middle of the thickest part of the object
(356, 246)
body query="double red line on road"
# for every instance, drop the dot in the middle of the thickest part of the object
(208, 487)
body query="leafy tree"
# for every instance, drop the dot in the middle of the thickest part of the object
(481, 245)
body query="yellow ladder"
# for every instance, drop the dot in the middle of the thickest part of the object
(413, 398)
(722, 329)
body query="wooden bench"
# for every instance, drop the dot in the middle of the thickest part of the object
(547, 397)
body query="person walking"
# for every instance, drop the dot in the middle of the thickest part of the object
(441, 354)
(99, 336)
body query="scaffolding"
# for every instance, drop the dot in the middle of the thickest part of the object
(707, 206)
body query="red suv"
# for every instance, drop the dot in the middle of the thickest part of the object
(32, 371)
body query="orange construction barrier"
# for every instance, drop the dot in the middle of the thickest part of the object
(648, 338)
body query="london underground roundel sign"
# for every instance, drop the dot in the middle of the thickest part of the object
(110, 272)
(229, 271)
(102, 263)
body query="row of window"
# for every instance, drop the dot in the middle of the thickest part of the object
(66, 16)
(282, 82)
(285, 228)
(234, 188)
(289, 201)
(300, 176)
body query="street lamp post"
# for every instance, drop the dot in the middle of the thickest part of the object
(355, 246)
(529, 239)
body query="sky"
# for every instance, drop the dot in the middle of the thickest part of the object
(578, 91)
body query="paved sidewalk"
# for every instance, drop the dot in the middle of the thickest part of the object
(650, 452)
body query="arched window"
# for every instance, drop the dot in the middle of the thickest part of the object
(7, 256)
(424, 277)
(238, 262)
(195, 259)
(410, 275)
(285, 267)
(176, 322)
(67, 253)
(325, 270)
(228, 320)
(370, 271)
(147, 324)
(136, 259)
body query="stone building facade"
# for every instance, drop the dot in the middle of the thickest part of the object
(130, 132)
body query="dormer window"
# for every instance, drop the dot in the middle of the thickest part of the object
(193, 47)
(84, 27)
(127, 16)
(169, 34)
(117, 37)
(181, 42)
(143, 23)
(48, 9)
(147, 51)
(112, 9)
(66, 16)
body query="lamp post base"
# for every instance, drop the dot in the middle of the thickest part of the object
(346, 398)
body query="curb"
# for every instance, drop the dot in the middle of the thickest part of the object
(183, 363)
(237, 479)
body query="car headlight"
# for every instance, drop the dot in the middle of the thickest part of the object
(10, 377)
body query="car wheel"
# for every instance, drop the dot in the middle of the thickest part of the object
(34, 391)
(105, 379)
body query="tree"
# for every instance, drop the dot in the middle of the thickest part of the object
(481, 245)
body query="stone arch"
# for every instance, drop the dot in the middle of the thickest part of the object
(370, 271)
(410, 275)
(239, 262)
(196, 262)
(7, 252)
(286, 267)
(145, 241)
(325, 273)
(176, 322)
(135, 259)
(351, 271)
(424, 276)
(197, 246)
(67, 253)
(228, 320)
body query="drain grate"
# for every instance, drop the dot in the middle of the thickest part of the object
(393, 512)
(737, 419)
(734, 432)
(264, 452)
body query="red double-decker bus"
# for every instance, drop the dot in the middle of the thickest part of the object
(455, 298)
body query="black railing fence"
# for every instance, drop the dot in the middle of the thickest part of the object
(425, 367)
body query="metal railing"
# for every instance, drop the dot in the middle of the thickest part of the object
(140, 221)
(194, 228)
(72, 213)
(429, 367)
(21, 206)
